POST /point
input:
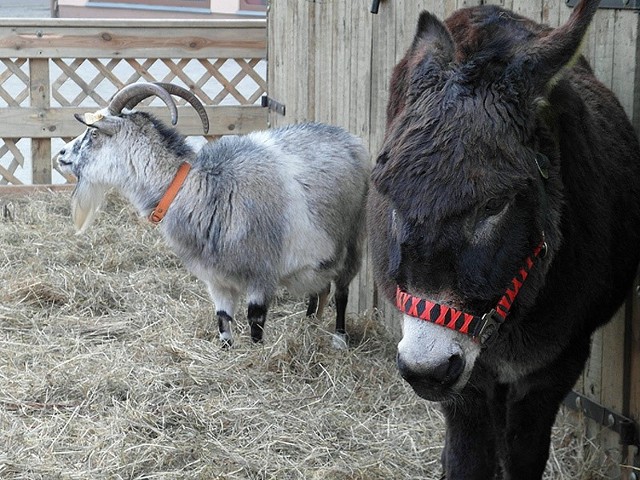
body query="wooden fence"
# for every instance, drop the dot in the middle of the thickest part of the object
(51, 69)
(337, 70)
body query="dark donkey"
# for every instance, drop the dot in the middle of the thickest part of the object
(505, 205)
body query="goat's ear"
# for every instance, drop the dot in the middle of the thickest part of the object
(547, 56)
(107, 125)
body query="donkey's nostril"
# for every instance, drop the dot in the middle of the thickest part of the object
(444, 373)
(455, 369)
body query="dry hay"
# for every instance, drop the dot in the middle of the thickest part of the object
(108, 371)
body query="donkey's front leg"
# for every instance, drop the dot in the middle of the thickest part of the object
(532, 408)
(470, 451)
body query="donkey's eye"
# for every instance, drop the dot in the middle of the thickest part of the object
(495, 206)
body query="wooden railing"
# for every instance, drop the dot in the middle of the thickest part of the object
(51, 69)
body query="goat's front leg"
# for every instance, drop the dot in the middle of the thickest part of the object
(258, 299)
(340, 337)
(317, 302)
(224, 299)
(257, 316)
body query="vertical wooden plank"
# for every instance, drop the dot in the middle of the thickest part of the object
(619, 377)
(39, 95)
(508, 4)
(633, 405)
(551, 12)
(468, 3)
(344, 36)
(404, 24)
(275, 16)
(274, 52)
(323, 40)
(532, 9)
(623, 77)
(437, 8)
(291, 63)
(312, 51)
(635, 113)
(302, 71)
(360, 116)
(387, 46)
(361, 99)
(565, 12)
(625, 83)
(593, 373)
(279, 55)
(353, 98)
(601, 45)
(612, 385)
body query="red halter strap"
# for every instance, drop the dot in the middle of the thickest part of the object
(481, 328)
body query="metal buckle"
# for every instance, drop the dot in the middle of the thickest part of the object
(490, 325)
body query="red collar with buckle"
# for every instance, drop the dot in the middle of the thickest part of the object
(481, 328)
(160, 211)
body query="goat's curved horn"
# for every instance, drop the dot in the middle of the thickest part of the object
(189, 97)
(139, 91)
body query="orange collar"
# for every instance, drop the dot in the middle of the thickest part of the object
(160, 211)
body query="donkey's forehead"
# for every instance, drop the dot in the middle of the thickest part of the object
(452, 180)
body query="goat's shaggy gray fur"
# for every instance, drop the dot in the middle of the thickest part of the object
(278, 207)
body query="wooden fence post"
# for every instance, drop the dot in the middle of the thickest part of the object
(39, 96)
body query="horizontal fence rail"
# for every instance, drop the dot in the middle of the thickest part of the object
(52, 68)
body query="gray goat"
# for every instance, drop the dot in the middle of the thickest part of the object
(278, 207)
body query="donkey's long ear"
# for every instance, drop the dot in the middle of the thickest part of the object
(432, 38)
(548, 55)
(431, 50)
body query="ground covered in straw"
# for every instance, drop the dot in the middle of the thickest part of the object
(110, 369)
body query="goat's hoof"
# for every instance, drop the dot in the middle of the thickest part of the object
(226, 340)
(257, 332)
(340, 341)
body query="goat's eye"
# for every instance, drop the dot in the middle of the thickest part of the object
(495, 206)
(94, 133)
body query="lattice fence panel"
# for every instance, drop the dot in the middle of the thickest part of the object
(91, 82)
(13, 166)
(14, 82)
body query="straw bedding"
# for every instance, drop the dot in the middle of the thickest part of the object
(111, 369)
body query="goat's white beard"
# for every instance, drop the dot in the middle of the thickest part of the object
(86, 200)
